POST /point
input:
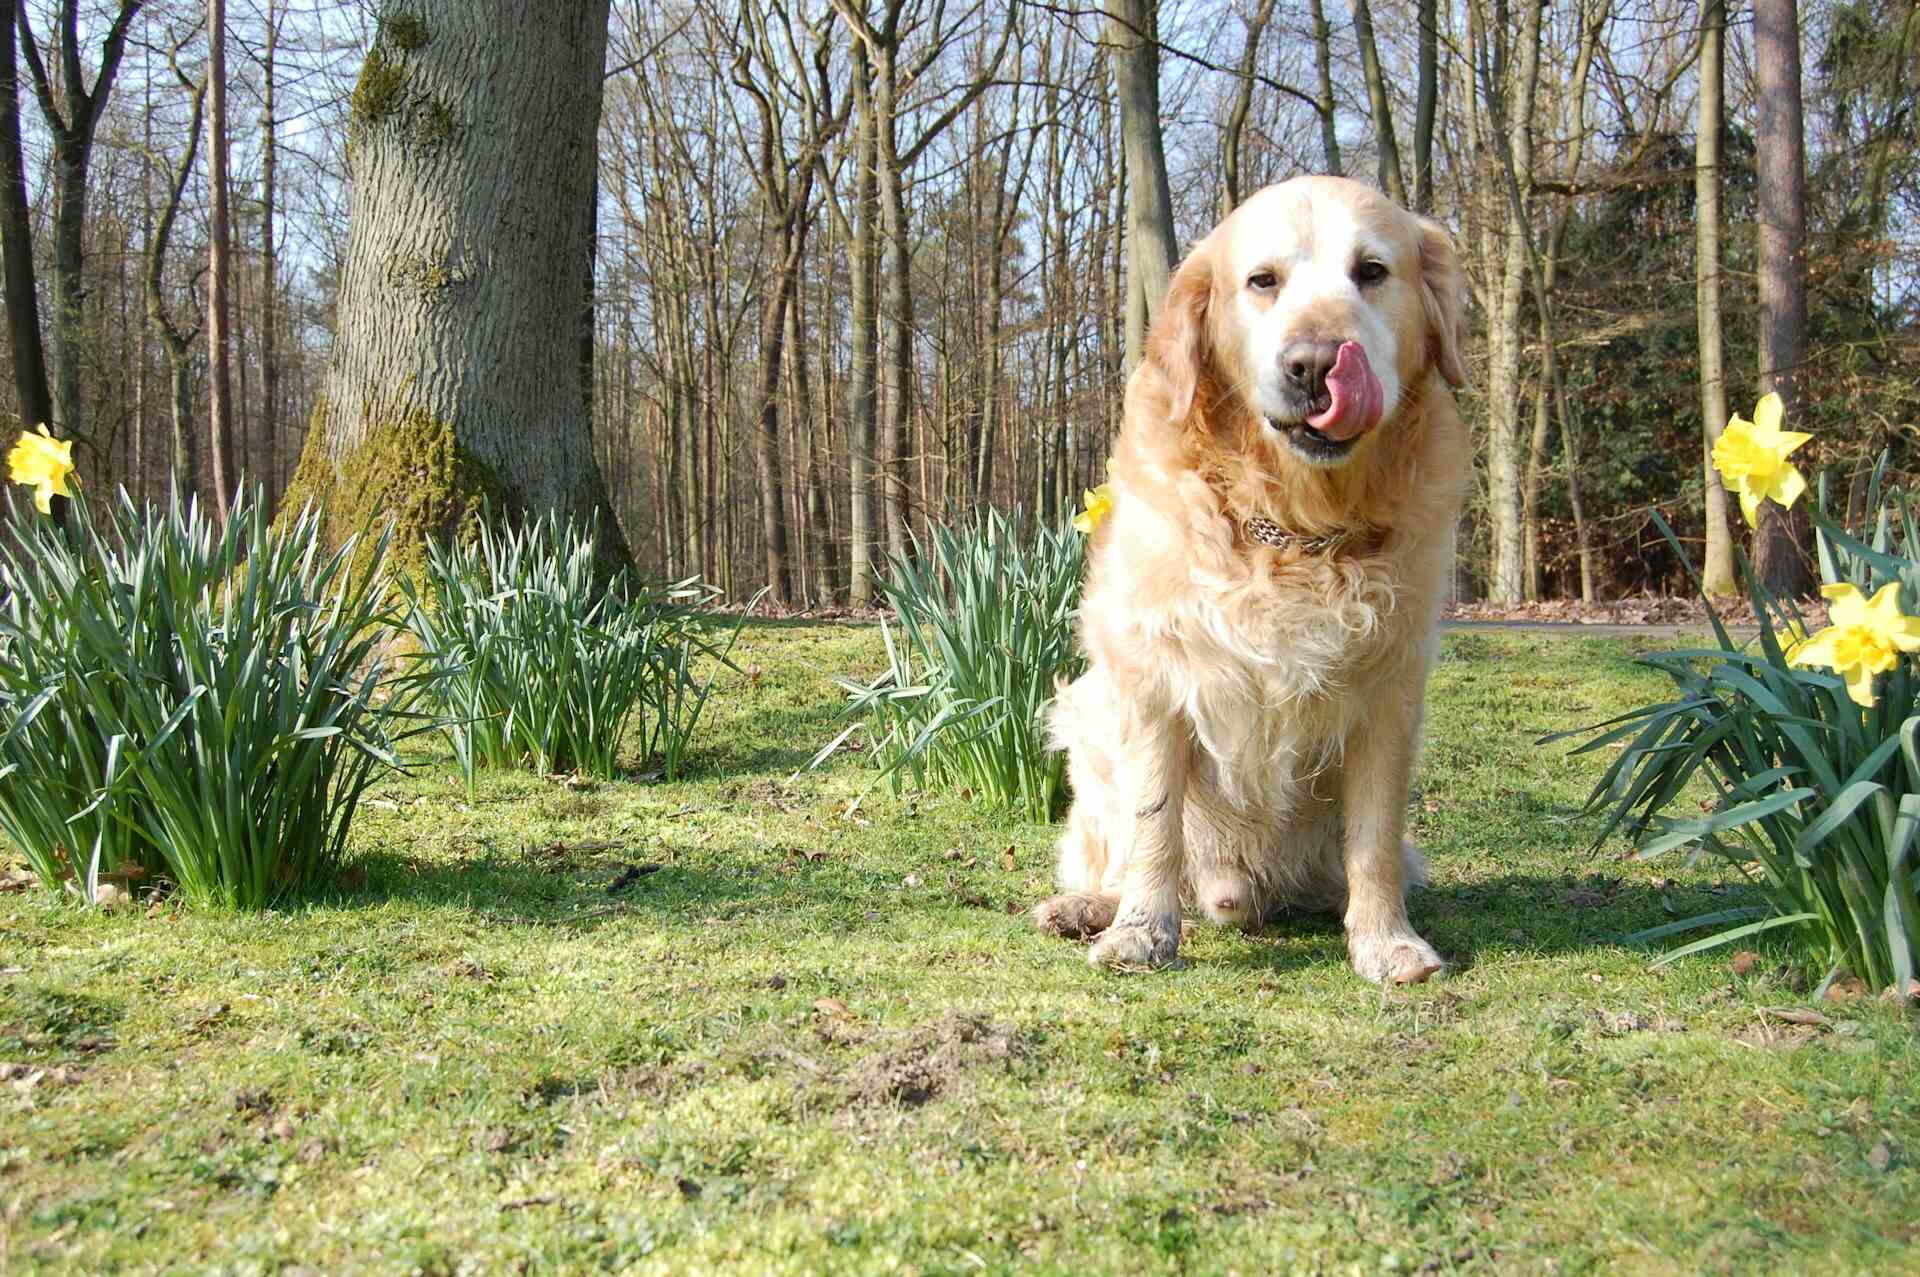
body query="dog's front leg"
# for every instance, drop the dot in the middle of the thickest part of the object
(1146, 927)
(1379, 766)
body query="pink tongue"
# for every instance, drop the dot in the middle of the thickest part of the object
(1358, 399)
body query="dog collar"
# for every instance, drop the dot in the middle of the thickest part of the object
(1267, 532)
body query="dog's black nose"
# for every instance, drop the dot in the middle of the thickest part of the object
(1306, 363)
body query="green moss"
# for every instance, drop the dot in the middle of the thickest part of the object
(422, 277)
(404, 31)
(432, 124)
(408, 472)
(377, 95)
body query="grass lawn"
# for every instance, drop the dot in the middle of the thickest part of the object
(725, 1027)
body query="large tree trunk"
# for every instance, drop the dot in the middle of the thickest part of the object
(1782, 198)
(455, 374)
(1150, 244)
(16, 244)
(1713, 377)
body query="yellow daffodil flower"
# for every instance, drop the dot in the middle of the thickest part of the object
(44, 463)
(1792, 636)
(1751, 457)
(1865, 638)
(1098, 503)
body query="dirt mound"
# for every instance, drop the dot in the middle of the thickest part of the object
(929, 1061)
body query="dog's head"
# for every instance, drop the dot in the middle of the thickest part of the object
(1318, 305)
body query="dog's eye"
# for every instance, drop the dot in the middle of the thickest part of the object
(1369, 272)
(1263, 281)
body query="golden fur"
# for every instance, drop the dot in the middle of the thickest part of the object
(1244, 737)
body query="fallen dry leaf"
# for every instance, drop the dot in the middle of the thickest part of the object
(1880, 1157)
(1846, 989)
(834, 1009)
(1007, 859)
(1797, 1015)
(1744, 960)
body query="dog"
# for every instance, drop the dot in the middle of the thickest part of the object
(1261, 605)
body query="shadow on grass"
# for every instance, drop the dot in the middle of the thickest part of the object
(1547, 915)
(565, 891)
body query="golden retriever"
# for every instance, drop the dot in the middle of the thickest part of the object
(1261, 604)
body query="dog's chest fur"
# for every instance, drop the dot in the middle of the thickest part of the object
(1272, 661)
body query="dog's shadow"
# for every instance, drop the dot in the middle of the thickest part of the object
(1529, 914)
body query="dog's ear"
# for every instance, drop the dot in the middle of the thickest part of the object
(1442, 294)
(1178, 346)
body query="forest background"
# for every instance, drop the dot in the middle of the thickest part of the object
(865, 265)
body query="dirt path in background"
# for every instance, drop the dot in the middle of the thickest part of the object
(1598, 629)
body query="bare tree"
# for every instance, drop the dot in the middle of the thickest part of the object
(769, 67)
(1134, 32)
(1391, 176)
(1426, 94)
(16, 242)
(72, 110)
(220, 277)
(1242, 104)
(1782, 190)
(177, 337)
(1323, 68)
(1718, 569)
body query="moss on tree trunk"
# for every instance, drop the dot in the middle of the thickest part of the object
(408, 474)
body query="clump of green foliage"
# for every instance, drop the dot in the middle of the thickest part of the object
(376, 95)
(539, 660)
(986, 618)
(1817, 797)
(189, 703)
(406, 31)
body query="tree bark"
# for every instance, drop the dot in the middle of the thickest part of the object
(1425, 96)
(1151, 252)
(1718, 569)
(863, 372)
(16, 244)
(219, 285)
(1782, 209)
(455, 374)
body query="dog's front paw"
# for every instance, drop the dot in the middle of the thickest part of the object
(1137, 946)
(1077, 915)
(1395, 957)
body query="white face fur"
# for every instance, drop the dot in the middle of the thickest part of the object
(1319, 260)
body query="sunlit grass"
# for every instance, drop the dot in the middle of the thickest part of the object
(481, 1058)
